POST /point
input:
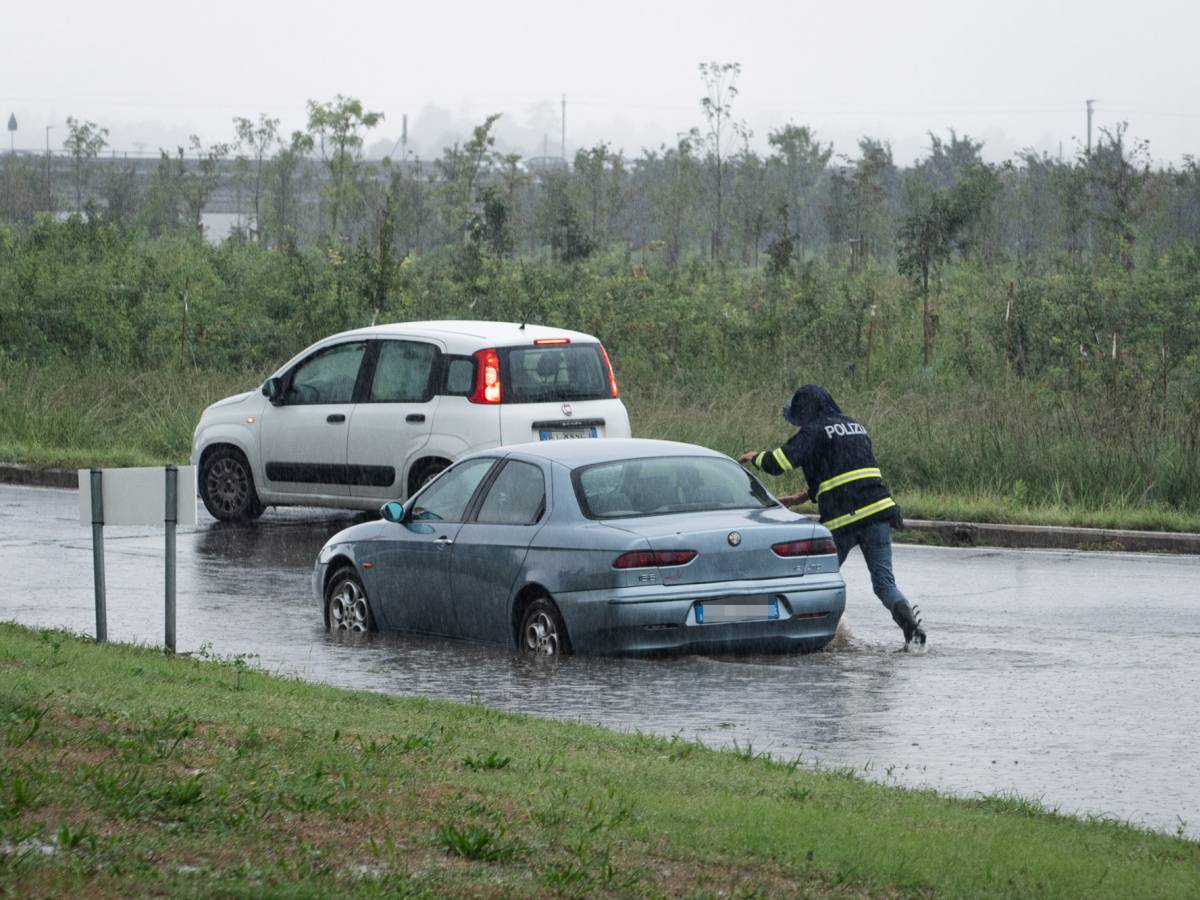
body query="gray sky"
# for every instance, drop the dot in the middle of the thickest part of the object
(1013, 74)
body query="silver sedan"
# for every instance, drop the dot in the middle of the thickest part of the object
(589, 546)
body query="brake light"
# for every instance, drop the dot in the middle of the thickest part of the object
(645, 559)
(548, 342)
(817, 547)
(487, 377)
(612, 379)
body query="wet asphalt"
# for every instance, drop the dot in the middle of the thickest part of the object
(1063, 676)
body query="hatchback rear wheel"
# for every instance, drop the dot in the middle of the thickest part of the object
(543, 632)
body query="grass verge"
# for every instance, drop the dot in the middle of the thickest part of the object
(125, 772)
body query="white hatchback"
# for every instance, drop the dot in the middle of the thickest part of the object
(370, 415)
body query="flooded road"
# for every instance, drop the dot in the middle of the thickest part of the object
(1066, 677)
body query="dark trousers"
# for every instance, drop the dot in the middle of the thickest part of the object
(875, 540)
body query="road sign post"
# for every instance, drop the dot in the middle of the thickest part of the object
(147, 496)
(97, 495)
(170, 516)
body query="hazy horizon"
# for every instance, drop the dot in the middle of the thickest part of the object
(1015, 78)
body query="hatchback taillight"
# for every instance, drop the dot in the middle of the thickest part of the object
(817, 547)
(612, 379)
(487, 377)
(644, 559)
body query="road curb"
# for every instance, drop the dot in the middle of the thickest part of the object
(19, 473)
(950, 534)
(979, 534)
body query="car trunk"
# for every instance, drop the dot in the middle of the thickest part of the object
(720, 555)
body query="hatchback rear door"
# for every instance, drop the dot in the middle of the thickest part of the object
(394, 418)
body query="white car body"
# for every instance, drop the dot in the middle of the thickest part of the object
(354, 434)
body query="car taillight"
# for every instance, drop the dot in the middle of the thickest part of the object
(817, 547)
(612, 379)
(551, 342)
(644, 559)
(487, 377)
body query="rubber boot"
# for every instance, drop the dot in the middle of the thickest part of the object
(909, 621)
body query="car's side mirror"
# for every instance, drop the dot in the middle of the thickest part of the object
(392, 511)
(273, 389)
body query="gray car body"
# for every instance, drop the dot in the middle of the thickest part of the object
(472, 581)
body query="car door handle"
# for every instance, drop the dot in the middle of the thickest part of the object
(335, 418)
(415, 417)
(443, 542)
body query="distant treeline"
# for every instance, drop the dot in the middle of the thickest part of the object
(710, 195)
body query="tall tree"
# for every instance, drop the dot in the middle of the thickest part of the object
(720, 90)
(84, 142)
(337, 128)
(259, 139)
(200, 182)
(802, 160)
(461, 168)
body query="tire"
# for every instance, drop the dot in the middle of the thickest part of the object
(423, 473)
(227, 487)
(542, 631)
(346, 605)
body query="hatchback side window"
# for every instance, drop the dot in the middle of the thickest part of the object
(516, 497)
(328, 377)
(446, 499)
(402, 372)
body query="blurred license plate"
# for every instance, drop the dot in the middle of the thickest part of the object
(562, 434)
(716, 612)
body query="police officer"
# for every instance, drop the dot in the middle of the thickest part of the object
(834, 453)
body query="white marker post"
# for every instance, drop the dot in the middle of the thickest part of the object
(146, 496)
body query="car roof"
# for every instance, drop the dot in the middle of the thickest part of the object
(470, 334)
(585, 452)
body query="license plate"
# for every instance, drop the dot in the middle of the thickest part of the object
(715, 613)
(567, 434)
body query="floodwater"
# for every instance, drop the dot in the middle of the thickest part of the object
(1065, 677)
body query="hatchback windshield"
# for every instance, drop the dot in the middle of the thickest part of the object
(555, 372)
(642, 487)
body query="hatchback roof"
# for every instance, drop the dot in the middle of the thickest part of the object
(486, 333)
(575, 453)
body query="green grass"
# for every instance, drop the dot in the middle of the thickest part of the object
(126, 773)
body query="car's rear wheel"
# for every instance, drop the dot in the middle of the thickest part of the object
(227, 486)
(346, 604)
(543, 632)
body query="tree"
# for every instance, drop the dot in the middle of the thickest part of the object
(200, 182)
(259, 138)
(932, 230)
(802, 160)
(1119, 174)
(84, 142)
(285, 181)
(337, 128)
(461, 168)
(869, 184)
(720, 86)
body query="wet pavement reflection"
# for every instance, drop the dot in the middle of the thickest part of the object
(1066, 677)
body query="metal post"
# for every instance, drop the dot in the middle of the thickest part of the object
(98, 554)
(169, 520)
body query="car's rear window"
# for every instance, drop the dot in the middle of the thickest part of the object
(554, 372)
(674, 484)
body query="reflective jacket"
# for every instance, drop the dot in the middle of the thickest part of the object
(834, 453)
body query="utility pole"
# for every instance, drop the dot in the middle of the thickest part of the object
(12, 129)
(564, 127)
(1089, 117)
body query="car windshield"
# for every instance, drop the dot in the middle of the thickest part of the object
(645, 487)
(555, 372)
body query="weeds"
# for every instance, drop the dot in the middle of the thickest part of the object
(483, 763)
(476, 842)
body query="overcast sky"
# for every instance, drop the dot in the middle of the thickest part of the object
(1013, 74)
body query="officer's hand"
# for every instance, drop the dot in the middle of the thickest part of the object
(748, 457)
